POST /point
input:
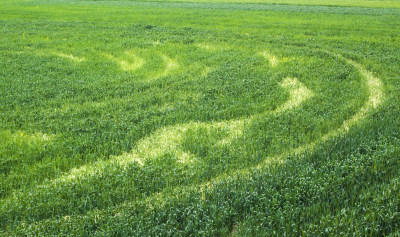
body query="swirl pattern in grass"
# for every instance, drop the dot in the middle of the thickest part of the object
(146, 129)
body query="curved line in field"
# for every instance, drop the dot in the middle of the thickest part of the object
(23, 137)
(272, 59)
(168, 140)
(206, 71)
(376, 97)
(136, 62)
(42, 53)
(70, 57)
(297, 93)
(170, 65)
(211, 47)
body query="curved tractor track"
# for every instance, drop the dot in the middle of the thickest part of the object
(169, 141)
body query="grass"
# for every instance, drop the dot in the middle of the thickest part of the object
(195, 118)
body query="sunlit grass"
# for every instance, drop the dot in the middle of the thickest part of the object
(170, 65)
(134, 62)
(214, 119)
(69, 56)
(273, 60)
(354, 3)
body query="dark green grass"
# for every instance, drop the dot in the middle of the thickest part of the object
(57, 114)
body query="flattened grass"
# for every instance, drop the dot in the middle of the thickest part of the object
(180, 137)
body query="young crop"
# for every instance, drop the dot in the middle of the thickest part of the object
(121, 118)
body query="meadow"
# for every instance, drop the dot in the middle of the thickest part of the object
(199, 118)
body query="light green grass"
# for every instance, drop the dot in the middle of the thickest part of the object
(346, 3)
(354, 3)
(193, 118)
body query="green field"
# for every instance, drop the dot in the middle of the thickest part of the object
(200, 118)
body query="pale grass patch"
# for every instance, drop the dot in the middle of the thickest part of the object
(76, 173)
(185, 157)
(32, 138)
(58, 54)
(135, 62)
(234, 130)
(165, 107)
(94, 104)
(272, 59)
(164, 141)
(128, 158)
(206, 71)
(200, 71)
(298, 93)
(211, 47)
(69, 56)
(170, 65)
